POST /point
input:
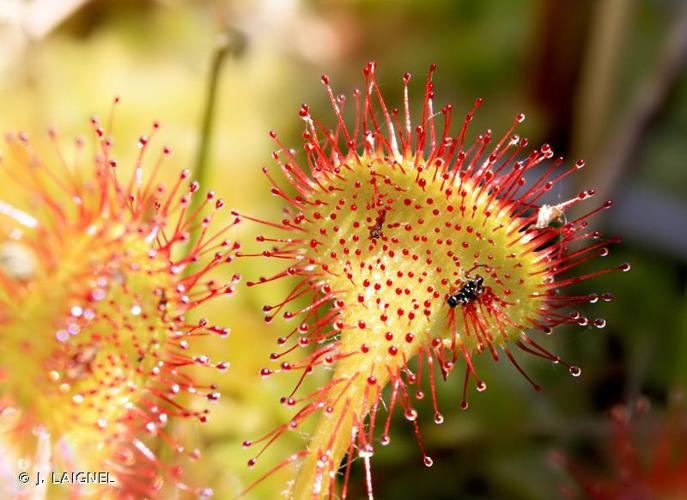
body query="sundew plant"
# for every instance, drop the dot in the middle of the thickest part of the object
(411, 249)
(275, 270)
(416, 249)
(100, 274)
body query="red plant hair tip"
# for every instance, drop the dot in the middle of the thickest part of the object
(414, 244)
(98, 280)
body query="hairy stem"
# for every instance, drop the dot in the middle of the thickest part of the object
(337, 429)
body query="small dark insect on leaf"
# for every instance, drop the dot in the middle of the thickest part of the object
(468, 293)
(376, 230)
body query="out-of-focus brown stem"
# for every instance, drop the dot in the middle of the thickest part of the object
(615, 160)
(599, 74)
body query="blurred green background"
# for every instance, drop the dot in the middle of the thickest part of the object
(602, 80)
